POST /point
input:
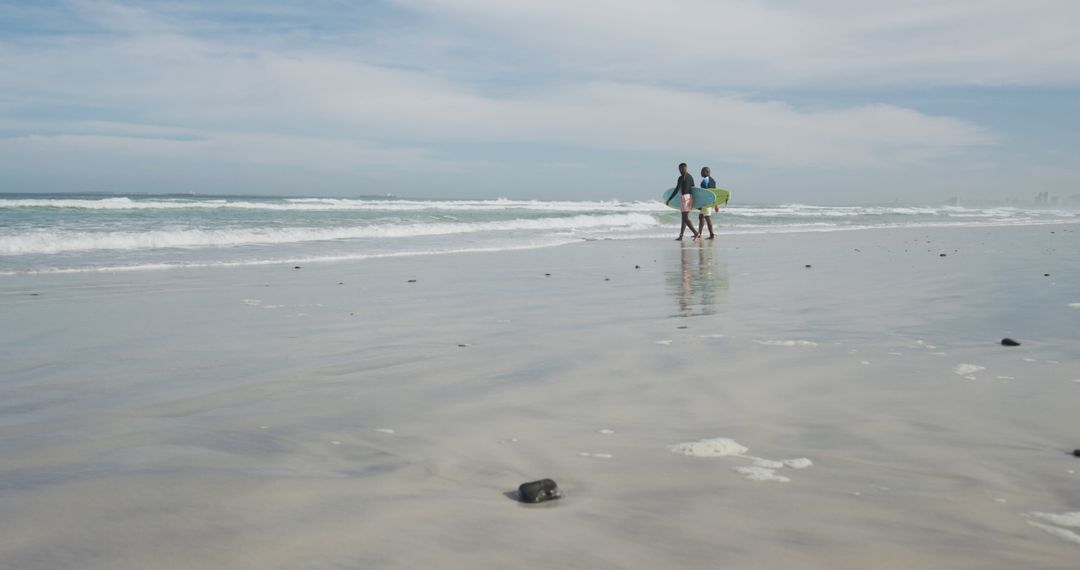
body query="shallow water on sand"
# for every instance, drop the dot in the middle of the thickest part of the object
(339, 415)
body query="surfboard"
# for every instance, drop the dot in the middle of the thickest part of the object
(702, 197)
(722, 196)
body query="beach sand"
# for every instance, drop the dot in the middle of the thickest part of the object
(341, 416)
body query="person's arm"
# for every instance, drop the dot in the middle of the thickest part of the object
(674, 190)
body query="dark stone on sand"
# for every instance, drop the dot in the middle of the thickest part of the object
(681, 327)
(1009, 342)
(1076, 452)
(637, 267)
(297, 267)
(941, 255)
(538, 491)
(412, 281)
(808, 266)
(1046, 275)
(341, 282)
(607, 279)
(547, 275)
(35, 294)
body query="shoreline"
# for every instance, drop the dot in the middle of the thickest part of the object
(341, 415)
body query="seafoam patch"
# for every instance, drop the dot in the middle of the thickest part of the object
(251, 302)
(760, 474)
(713, 447)
(606, 431)
(663, 342)
(786, 342)
(761, 469)
(385, 430)
(1075, 305)
(968, 370)
(1054, 524)
(798, 463)
(595, 455)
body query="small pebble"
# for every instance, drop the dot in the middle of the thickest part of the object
(538, 491)
(463, 345)
(412, 281)
(681, 327)
(637, 267)
(547, 275)
(297, 267)
(808, 266)
(941, 255)
(1076, 452)
(1009, 342)
(1046, 275)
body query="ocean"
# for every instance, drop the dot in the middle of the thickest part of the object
(56, 233)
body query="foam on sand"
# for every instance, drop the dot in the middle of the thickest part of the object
(968, 370)
(1063, 519)
(1052, 523)
(595, 455)
(1075, 305)
(760, 474)
(799, 463)
(786, 342)
(714, 447)
(761, 469)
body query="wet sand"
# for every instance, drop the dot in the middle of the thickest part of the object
(341, 416)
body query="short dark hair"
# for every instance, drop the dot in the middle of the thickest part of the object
(705, 169)
(682, 165)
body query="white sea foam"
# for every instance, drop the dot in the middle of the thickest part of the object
(331, 204)
(1061, 519)
(595, 455)
(761, 469)
(385, 430)
(764, 463)
(968, 369)
(714, 447)
(799, 463)
(59, 241)
(786, 342)
(760, 474)
(1062, 533)
(1075, 305)
(606, 431)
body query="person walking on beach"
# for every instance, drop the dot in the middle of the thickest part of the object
(706, 211)
(684, 186)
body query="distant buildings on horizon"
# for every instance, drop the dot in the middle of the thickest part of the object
(1041, 199)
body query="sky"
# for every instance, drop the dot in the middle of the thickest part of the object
(816, 101)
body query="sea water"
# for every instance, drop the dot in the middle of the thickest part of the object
(64, 232)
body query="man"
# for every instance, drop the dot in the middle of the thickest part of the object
(706, 211)
(684, 186)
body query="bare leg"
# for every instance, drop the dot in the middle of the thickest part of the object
(708, 220)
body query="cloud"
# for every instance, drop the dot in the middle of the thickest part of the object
(760, 44)
(214, 89)
(444, 83)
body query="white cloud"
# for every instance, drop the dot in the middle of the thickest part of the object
(213, 89)
(756, 43)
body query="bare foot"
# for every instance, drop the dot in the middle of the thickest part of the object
(711, 237)
(678, 238)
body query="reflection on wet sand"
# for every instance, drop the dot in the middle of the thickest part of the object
(700, 280)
